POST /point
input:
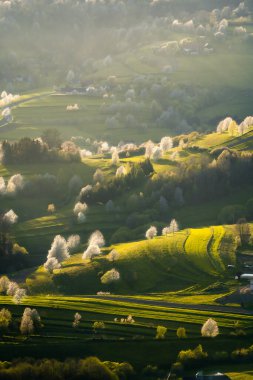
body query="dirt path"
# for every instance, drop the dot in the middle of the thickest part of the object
(212, 308)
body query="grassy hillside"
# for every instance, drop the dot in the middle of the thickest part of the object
(244, 142)
(36, 228)
(215, 140)
(162, 264)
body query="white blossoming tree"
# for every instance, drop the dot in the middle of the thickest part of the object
(151, 233)
(115, 157)
(91, 251)
(59, 249)
(10, 218)
(51, 264)
(77, 320)
(166, 143)
(210, 328)
(174, 226)
(73, 242)
(80, 207)
(97, 238)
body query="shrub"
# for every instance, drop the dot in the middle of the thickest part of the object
(177, 367)
(110, 276)
(17, 249)
(124, 370)
(161, 332)
(195, 354)
(181, 332)
(98, 326)
(240, 353)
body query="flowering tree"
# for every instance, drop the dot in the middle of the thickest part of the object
(121, 171)
(97, 238)
(51, 208)
(81, 218)
(10, 218)
(174, 226)
(166, 143)
(149, 149)
(73, 242)
(210, 328)
(30, 321)
(91, 251)
(166, 231)
(59, 249)
(12, 288)
(115, 157)
(98, 176)
(151, 233)
(80, 207)
(113, 255)
(15, 184)
(77, 320)
(51, 264)
(157, 153)
(19, 295)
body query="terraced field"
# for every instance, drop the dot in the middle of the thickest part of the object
(161, 264)
(244, 142)
(116, 341)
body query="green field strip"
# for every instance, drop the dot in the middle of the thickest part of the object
(145, 312)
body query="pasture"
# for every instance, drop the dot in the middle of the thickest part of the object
(116, 341)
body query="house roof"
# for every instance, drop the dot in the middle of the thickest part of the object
(247, 276)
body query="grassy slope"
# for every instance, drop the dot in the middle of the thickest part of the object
(162, 264)
(36, 228)
(215, 140)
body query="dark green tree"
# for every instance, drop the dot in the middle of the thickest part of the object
(52, 138)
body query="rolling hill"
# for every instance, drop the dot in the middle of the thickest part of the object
(176, 261)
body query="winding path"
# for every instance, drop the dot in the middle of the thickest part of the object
(4, 123)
